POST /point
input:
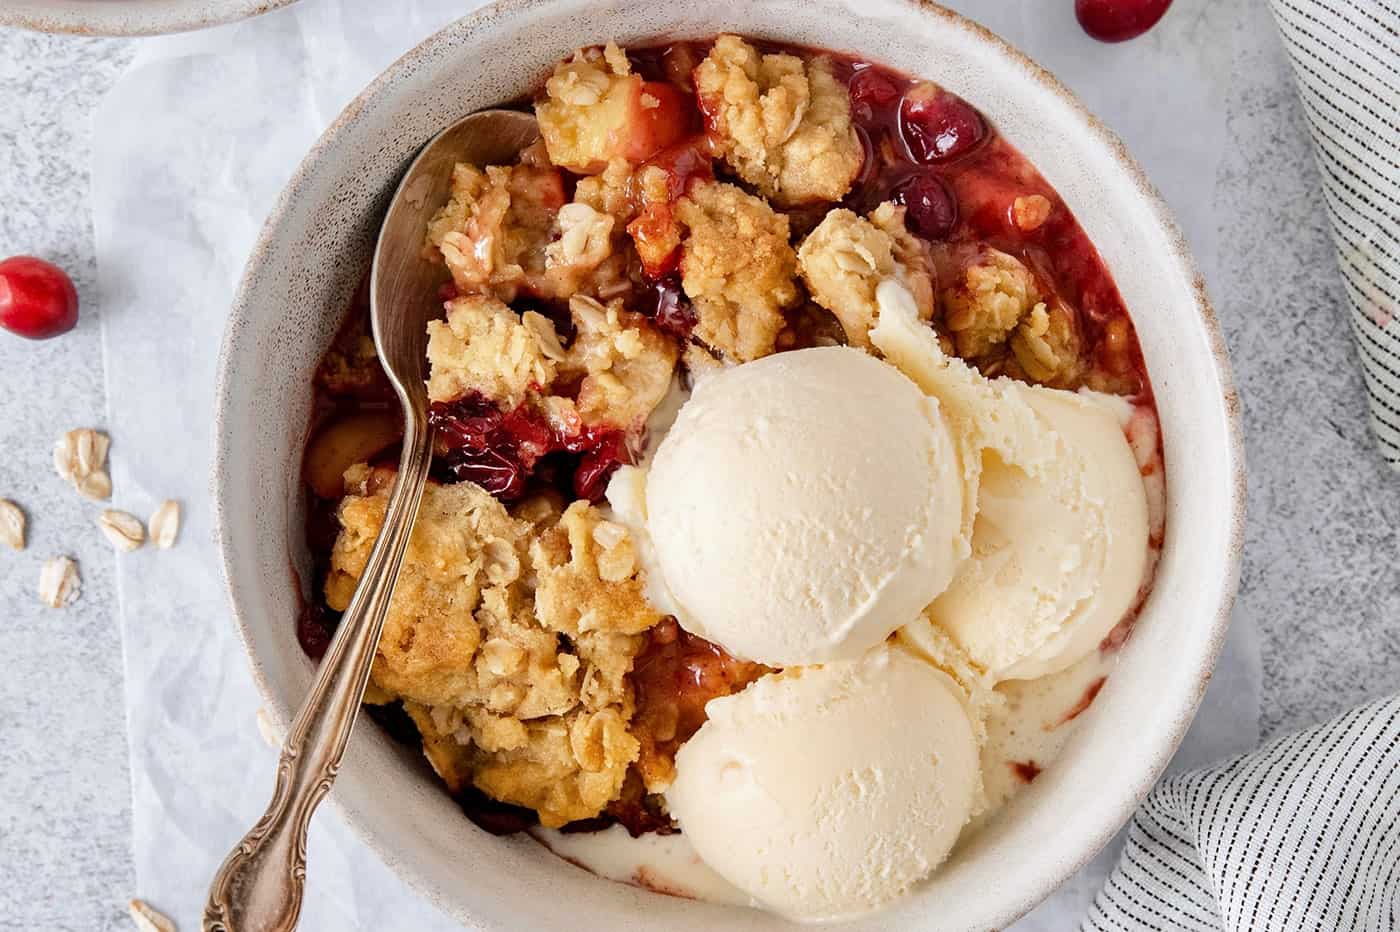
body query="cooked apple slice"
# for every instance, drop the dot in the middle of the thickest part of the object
(342, 443)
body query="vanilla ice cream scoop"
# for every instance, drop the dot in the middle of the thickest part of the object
(1058, 554)
(826, 792)
(1060, 540)
(806, 505)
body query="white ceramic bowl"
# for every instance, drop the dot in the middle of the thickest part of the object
(128, 17)
(316, 244)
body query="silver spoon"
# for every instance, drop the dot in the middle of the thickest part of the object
(259, 887)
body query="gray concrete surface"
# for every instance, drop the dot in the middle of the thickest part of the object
(1322, 566)
(65, 800)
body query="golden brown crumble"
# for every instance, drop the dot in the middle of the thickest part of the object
(507, 230)
(609, 192)
(846, 257)
(473, 640)
(990, 295)
(484, 346)
(625, 363)
(351, 367)
(737, 266)
(913, 262)
(585, 106)
(494, 231)
(1046, 346)
(619, 363)
(587, 578)
(595, 110)
(464, 546)
(585, 238)
(785, 123)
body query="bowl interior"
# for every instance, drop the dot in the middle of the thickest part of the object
(316, 245)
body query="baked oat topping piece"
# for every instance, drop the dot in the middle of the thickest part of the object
(913, 262)
(588, 579)
(596, 110)
(462, 559)
(609, 192)
(450, 758)
(785, 123)
(494, 231)
(567, 768)
(564, 767)
(846, 257)
(1046, 346)
(483, 346)
(500, 698)
(590, 255)
(585, 238)
(351, 367)
(737, 267)
(990, 294)
(624, 362)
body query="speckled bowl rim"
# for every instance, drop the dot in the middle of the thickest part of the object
(129, 17)
(1179, 254)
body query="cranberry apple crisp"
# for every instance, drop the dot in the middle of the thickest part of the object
(691, 210)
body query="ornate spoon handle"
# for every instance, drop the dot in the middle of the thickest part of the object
(259, 887)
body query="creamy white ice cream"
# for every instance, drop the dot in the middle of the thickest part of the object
(827, 792)
(804, 506)
(1059, 545)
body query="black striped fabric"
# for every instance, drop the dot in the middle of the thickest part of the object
(1346, 61)
(1301, 835)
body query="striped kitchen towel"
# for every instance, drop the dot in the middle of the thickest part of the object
(1302, 835)
(1346, 61)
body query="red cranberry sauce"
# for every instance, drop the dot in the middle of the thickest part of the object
(674, 676)
(501, 451)
(960, 181)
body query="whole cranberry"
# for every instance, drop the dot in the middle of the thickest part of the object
(938, 126)
(598, 463)
(1119, 20)
(671, 311)
(931, 210)
(37, 300)
(871, 92)
(494, 470)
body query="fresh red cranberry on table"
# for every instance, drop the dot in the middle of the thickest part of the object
(938, 126)
(1119, 20)
(931, 210)
(37, 300)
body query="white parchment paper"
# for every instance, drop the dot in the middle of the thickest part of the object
(190, 150)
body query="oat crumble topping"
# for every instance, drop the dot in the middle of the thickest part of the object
(738, 267)
(786, 123)
(509, 638)
(846, 257)
(484, 346)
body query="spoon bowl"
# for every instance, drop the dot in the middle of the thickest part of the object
(404, 284)
(259, 888)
